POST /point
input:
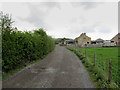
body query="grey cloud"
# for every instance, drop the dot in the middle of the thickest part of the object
(79, 19)
(88, 29)
(85, 5)
(81, 30)
(52, 4)
(88, 5)
(105, 30)
(45, 4)
(37, 14)
(74, 32)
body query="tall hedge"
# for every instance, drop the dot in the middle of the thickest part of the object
(19, 47)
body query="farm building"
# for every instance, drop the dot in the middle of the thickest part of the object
(66, 41)
(63, 41)
(102, 43)
(69, 42)
(99, 41)
(116, 39)
(96, 43)
(108, 43)
(83, 40)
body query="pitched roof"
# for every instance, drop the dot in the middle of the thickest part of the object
(118, 35)
(99, 39)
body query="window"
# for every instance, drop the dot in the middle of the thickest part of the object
(112, 41)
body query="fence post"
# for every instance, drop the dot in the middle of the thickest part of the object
(94, 59)
(85, 53)
(110, 71)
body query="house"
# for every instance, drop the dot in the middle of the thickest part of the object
(83, 40)
(116, 39)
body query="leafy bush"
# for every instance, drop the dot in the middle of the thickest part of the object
(19, 48)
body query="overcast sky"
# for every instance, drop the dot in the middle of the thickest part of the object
(66, 19)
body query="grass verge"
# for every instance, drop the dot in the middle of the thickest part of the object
(99, 77)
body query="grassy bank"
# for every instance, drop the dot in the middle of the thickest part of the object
(99, 71)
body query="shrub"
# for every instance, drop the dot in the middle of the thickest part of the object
(19, 48)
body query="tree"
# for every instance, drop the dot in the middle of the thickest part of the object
(5, 21)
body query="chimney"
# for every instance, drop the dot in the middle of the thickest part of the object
(84, 33)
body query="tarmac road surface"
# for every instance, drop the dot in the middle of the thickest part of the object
(59, 69)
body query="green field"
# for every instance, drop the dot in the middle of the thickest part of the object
(103, 55)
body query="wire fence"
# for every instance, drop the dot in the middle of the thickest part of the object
(109, 66)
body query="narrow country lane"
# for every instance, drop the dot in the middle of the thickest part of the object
(59, 69)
